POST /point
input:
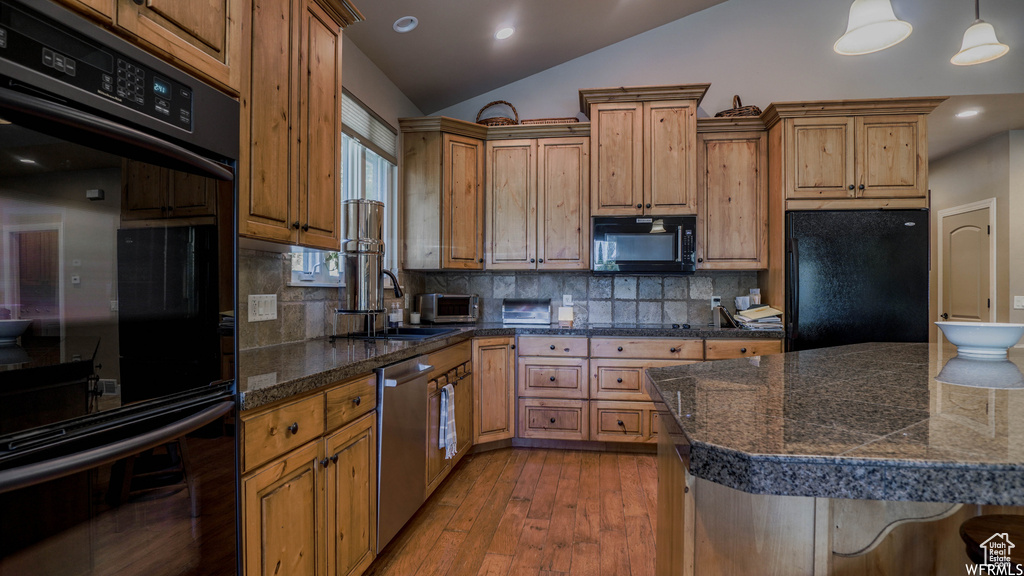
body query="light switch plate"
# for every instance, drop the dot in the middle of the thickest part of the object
(566, 299)
(716, 301)
(262, 307)
(1018, 302)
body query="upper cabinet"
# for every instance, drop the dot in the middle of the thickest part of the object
(537, 204)
(288, 177)
(643, 149)
(203, 36)
(442, 184)
(150, 192)
(850, 154)
(732, 156)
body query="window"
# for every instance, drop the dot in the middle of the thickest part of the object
(368, 171)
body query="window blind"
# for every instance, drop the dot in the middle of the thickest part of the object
(361, 123)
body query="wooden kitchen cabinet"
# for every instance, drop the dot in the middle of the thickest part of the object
(443, 180)
(102, 10)
(643, 149)
(288, 176)
(732, 228)
(537, 206)
(203, 35)
(494, 394)
(352, 497)
(151, 192)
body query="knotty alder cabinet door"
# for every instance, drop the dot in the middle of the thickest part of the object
(462, 223)
(352, 497)
(644, 158)
(150, 192)
(733, 189)
(493, 389)
(204, 35)
(289, 190)
(537, 207)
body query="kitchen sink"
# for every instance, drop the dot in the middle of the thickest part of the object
(404, 333)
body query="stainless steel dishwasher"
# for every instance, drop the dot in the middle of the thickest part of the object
(402, 445)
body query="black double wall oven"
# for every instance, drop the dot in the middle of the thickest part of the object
(118, 452)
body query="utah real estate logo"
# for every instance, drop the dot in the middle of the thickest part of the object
(997, 558)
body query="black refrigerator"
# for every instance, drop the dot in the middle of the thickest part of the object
(856, 276)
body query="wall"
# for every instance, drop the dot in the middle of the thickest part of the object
(976, 173)
(776, 51)
(1016, 216)
(365, 81)
(600, 299)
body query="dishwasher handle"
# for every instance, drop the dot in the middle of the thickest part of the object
(420, 370)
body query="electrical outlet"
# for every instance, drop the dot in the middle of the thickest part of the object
(1018, 302)
(262, 307)
(566, 299)
(716, 301)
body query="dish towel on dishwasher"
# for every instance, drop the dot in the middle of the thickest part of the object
(446, 436)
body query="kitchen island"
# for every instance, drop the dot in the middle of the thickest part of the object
(813, 462)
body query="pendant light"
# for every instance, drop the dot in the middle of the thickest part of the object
(980, 44)
(873, 26)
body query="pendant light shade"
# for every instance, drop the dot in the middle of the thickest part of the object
(980, 44)
(873, 26)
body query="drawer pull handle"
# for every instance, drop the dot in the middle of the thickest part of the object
(552, 346)
(325, 462)
(620, 348)
(672, 350)
(358, 400)
(552, 420)
(619, 380)
(552, 378)
(743, 350)
(294, 428)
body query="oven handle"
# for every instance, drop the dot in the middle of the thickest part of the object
(131, 142)
(39, 472)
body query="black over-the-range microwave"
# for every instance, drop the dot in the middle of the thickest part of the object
(644, 244)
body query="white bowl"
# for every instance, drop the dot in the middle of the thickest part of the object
(982, 339)
(981, 373)
(10, 330)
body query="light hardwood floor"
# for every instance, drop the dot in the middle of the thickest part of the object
(522, 512)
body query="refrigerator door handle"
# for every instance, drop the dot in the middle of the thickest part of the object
(39, 472)
(792, 309)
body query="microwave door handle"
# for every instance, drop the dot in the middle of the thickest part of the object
(679, 244)
(96, 132)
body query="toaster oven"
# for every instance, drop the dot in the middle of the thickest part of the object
(448, 308)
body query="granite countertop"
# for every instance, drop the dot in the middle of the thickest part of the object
(869, 421)
(278, 372)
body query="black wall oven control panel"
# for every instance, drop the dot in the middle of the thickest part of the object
(36, 42)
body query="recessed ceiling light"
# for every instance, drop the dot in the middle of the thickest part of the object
(966, 113)
(405, 24)
(26, 161)
(505, 32)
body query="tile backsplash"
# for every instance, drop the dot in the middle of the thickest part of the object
(600, 299)
(305, 313)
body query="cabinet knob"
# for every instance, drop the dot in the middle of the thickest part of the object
(358, 400)
(513, 346)
(334, 459)
(294, 428)
(552, 346)
(295, 224)
(743, 350)
(861, 187)
(672, 350)
(619, 380)
(700, 259)
(532, 260)
(552, 378)
(620, 348)
(481, 260)
(325, 462)
(305, 227)
(619, 422)
(648, 205)
(639, 205)
(851, 186)
(541, 260)
(552, 420)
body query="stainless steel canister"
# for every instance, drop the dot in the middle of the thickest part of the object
(362, 255)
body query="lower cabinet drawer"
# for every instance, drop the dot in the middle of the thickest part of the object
(272, 433)
(556, 419)
(350, 400)
(733, 348)
(613, 379)
(553, 377)
(620, 421)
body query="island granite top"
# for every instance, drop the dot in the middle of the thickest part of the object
(868, 421)
(274, 373)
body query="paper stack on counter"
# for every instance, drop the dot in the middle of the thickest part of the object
(762, 317)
